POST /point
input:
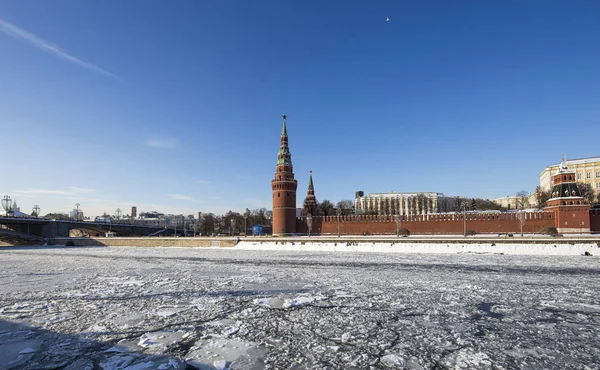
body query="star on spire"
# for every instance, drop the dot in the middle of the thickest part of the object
(284, 129)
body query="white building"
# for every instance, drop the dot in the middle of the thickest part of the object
(397, 203)
(587, 170)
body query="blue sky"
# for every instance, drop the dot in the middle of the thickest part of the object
(176, 106)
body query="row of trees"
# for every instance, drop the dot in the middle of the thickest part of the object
(232, 222)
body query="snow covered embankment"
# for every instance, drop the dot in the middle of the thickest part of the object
(563, 249)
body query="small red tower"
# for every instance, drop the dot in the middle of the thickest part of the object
(310, 202)
(571, 213)
(284, 189)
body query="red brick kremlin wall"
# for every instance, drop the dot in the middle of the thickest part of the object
(430, 224)
(595, 220)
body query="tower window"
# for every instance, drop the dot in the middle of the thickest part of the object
(579, 176)
(278, 195)
(588, 175)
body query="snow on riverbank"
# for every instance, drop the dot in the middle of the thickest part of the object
(562, 249)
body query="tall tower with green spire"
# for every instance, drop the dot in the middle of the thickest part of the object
(310, 202)
(284, 189)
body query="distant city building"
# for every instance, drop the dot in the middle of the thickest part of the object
(73, 214)
(15, 211)
(508, 202)
(586, 170)
(511, 202)
(398, 203)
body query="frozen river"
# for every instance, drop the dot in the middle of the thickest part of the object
(178, 308)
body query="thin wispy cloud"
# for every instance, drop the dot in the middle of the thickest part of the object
(79, 190)
(180, 197)
(71, 190)
(19, 33)
(36, 192)
(162, 142)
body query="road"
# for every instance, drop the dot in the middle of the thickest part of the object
(176, 308)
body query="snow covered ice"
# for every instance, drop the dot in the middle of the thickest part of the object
(192, 308)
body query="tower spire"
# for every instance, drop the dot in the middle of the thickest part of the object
(284, 187)
(310, 202)
(284, 129)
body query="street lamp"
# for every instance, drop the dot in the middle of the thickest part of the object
(309, 223)
(464, 205)
(245, 224)
(118, 213)
(6, 204)
(339, 211)
(232, 226)
(36, 210)
(77, 204)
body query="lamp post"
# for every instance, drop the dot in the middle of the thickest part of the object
(232, 225)
(245, 224)
(581, 228)
(118, 213)
(36, 210)
(77, 205)
(464, 219)
(397, 218)
(6, 204)
(309, 223)
(339, 211)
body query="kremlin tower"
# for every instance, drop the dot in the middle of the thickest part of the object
(310, 203)
(571, 213)
(284, 189)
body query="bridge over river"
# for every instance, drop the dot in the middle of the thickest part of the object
(18, 229)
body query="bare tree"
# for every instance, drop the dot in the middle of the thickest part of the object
(542, 196)
(587, 192)
(522, 199)
(326, 208)
(522, 217)
(346, 206)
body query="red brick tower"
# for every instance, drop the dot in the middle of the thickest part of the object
(310, 202)
(571, 213)
(284, 189)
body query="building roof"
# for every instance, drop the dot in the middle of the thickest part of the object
(563, 167)
(578, 161)
(398, 194)
(575, 161)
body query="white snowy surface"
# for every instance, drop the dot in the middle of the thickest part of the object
(172, 308)
(405, 246)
